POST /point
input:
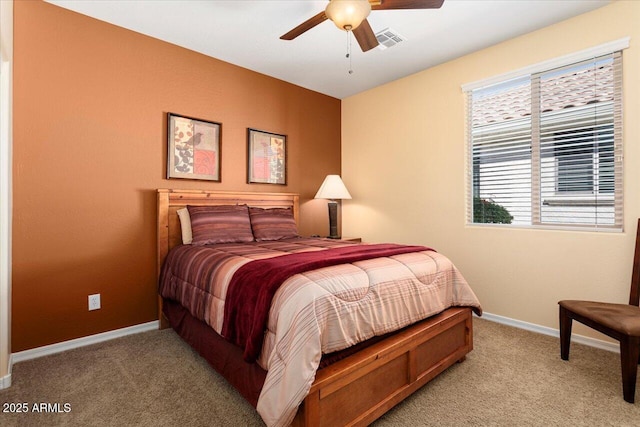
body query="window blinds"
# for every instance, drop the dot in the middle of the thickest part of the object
(545, 149)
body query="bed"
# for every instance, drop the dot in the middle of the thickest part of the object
(351, 383)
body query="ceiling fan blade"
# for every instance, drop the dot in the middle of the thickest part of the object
(305, 26)
(406, 4)
(365, 36)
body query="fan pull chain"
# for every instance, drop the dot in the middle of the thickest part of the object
(349, 52)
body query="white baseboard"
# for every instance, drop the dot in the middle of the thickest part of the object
(5, 382)
(81, 342)
(144, 327)
(580, 339)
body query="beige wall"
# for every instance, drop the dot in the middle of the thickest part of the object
(406, 172)
(90, 105)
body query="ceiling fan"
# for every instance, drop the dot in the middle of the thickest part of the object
(351, 15)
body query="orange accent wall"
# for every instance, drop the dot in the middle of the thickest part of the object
(90, 104)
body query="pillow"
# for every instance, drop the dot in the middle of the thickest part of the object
(220, 224)
(273, 224)
(185, 225)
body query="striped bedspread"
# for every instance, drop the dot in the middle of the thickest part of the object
(251, 291)
(314, 312)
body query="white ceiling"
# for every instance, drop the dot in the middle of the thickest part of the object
(246, 33)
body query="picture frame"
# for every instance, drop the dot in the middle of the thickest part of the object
(193, 148)
(266, 157)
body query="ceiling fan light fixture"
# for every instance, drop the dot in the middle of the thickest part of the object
(348, 14)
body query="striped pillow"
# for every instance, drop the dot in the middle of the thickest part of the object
(273, 224)
(220, 224)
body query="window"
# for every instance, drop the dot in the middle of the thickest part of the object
(545, 147)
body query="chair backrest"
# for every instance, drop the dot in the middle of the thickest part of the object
(634, 296)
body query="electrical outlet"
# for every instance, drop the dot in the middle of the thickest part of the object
(94, 302)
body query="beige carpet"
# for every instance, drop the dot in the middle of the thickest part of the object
(512, 378)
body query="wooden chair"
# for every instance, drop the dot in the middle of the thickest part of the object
(619, 321)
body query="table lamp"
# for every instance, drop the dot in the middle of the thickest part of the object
(333, 188)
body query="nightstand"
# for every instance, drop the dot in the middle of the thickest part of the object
(352, 239)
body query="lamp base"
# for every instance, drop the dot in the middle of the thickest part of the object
(333, 220)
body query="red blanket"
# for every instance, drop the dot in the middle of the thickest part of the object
(253, 286)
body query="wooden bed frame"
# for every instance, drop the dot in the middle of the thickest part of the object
(360, 388)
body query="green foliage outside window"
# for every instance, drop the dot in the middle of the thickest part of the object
(487, 211)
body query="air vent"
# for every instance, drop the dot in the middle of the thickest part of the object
(388, 38)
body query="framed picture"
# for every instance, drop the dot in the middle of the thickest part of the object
(193, 148)
(266, 157)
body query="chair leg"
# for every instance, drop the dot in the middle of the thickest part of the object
(629, 353)
(565, 333)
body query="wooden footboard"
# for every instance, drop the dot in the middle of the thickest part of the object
(362, 387)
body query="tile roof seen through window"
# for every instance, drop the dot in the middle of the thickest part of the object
(568, 89)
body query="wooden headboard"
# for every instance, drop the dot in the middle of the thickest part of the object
(169, 201)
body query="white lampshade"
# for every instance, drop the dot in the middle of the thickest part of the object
(333, 188)
(348, 14)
